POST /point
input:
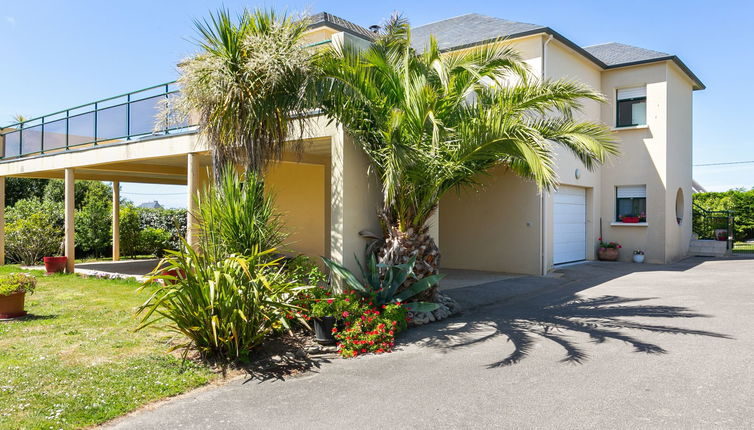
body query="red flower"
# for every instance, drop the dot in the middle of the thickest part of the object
(345, 314)
(329, 301)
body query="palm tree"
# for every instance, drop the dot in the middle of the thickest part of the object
(434, 121)
(248, 86)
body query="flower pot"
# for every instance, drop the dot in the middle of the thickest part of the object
(55, 264)
(176, 273)
(721, 234)
(630, 219)
(12, 306)
(638, 258)
(607, 254)
(323, 330)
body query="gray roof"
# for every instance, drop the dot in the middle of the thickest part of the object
(475, 29)
(469, 29)
(330, 20)
(614, 54)
(151, 205)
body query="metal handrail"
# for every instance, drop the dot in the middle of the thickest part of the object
(94, 108)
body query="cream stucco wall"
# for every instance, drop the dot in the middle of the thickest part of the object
(297, 186)
(495, 227)
(643, 161)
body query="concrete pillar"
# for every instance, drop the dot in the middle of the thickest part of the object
(70, 232)
(355, 199)
(193, 185)
(116, 220)
(2, 220)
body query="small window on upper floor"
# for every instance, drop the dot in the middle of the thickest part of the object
(632, 107)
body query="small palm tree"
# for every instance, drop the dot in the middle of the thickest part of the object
(248, 85)
(431, 122)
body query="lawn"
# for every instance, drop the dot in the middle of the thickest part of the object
(75, 361)
(743, 248)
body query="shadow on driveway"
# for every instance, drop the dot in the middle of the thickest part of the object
(551, 308)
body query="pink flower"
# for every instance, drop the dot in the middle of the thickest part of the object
(345, 314)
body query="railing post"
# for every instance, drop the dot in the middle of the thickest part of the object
(42, 140)
(167, 108)
(95, 123)
(67, 131)
(128, 116)
(21, 139)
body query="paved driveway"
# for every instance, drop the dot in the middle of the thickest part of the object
(603, 345)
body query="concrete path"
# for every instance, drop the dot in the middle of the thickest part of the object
(600, 345)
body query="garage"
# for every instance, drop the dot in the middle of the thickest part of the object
(569, 225)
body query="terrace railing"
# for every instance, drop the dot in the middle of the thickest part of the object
(149, 111)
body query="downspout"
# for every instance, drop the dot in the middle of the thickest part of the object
(542, 235)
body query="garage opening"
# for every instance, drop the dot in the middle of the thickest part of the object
(569, 225)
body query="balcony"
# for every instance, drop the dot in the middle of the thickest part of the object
(115, 120)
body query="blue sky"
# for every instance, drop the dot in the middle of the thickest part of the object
(60, 54)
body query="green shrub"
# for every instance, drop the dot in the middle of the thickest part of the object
(237, 215)
(224, 305)
(34, 229)
(302, 270)
(154, 241)
(94, 221)
(17, 283)
(172, 221)
(130, 228)
(740, 201)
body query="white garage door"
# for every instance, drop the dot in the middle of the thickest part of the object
(569, 224)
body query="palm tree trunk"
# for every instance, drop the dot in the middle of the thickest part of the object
(400, 246)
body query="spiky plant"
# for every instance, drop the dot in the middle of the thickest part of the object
(433, 121)
(247, 85)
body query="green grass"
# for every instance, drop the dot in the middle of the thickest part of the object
(75, 361)
(743, 248)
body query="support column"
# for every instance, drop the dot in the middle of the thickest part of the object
(193, 185)
(70, 250)
(2, 220)
(116, 220)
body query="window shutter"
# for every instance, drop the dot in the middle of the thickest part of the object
(632, 93)
(632, 192)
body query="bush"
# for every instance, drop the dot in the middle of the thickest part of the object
(224, 305)
(154, 241)
(34, 229)
(94, 221)
(17, 283)
(237, 215)
(172, 221)
(740, 201)
(130, 228)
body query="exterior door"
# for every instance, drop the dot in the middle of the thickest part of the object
(569, 225)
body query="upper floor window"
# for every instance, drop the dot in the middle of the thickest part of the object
(631, 204)
(632, 107)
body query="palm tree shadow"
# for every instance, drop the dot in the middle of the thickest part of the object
(601, 318)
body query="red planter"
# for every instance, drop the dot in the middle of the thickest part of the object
(630, 219)
(177, 273)
(55, 264)
(12, 306)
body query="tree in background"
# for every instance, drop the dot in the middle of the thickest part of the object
(740, 201)
(94, 219)
(24, 188)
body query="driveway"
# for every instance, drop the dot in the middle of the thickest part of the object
(598, 345)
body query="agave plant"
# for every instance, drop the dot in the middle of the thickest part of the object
(382, 281)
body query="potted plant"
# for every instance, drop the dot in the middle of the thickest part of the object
(629, 219)
(638, 256)
(608, 251)
(55, 264)
(721, 234)
(13, 289)
(326, 309)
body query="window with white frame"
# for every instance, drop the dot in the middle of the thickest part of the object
(631, 107)
(631, 203)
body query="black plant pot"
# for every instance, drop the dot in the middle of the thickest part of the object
(323, 330)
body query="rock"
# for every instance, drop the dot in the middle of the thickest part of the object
(314, 349)
(276, 359)
(300, 353)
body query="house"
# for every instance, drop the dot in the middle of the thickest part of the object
(328, 196)
(151, 205)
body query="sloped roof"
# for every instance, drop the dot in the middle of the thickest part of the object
(475, 29)
(469, 29)
(621, 55)
(327, 19)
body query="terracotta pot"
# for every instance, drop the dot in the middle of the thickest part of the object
(55, 264)
(608, 254)
(12, 306)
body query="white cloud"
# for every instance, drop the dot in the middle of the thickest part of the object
(10, 20)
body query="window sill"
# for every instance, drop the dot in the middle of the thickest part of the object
(629, 224)
(630, 127)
